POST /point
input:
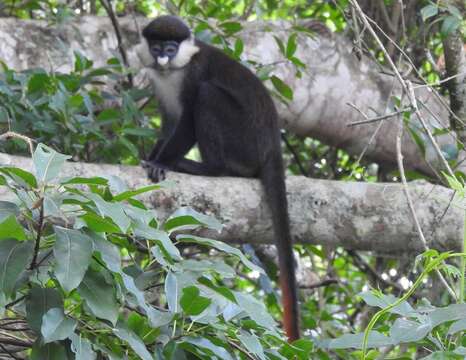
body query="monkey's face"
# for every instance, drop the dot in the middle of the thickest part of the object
(164, 51)
(171, 54)
(170, 43)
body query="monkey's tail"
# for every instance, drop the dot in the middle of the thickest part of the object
(273, 180)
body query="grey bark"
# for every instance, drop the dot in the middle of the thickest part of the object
(355, 215)
(333, 78)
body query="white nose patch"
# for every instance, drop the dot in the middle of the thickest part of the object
(162, 60)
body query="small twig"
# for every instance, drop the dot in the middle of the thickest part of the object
(116, 26)
(440, 82)
(295, 155)
(363, 265)
(39, 235)
(13, 303)
(319, 284)
(239, 348)
(377, 118)
(11, 134)
(411, 205)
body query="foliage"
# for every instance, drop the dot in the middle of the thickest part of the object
(80, 259)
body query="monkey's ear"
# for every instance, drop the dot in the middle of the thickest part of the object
(142, 55)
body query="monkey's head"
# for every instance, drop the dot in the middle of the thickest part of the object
(170, 42)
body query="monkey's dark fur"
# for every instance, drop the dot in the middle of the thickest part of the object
(229, 113)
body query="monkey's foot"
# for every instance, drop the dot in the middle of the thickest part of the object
(155, 172)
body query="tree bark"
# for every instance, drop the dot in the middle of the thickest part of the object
(354, 215)
(333, 78)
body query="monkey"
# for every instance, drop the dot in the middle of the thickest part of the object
(208, 98)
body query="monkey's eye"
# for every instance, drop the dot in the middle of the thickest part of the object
(170, 50)
(156, 50)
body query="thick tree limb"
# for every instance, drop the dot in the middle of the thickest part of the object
(355, 215)
(333, 78)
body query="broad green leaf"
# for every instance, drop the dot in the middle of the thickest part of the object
(443, 355)
(99, 224)
(383, 301)
(72, 252)
(192, 302)
(10, 228)
(213, 350)
(404, 330)
(150, 233)
(99, 296)
(282, 88)
(20, 176)
(131, 193)
(109, 252)
(449, 25)
(156, 318)
(82, 348)
(428, 11)
(56, 326)
(133, 341)
(8, 209)
(15, 257)
(172, 291)
(84, 181)
(220, 246)
(255, 310)
(47, 162)
(51, 351)
(113, 210)
(280, 44)
(252, 344)
(459, 325)
(231, 27)
(354, 341)
(291, 45)
(39, 301)
(186, 218)
(206, 266)
(447, 313)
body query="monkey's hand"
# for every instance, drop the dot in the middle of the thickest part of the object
(156, 172)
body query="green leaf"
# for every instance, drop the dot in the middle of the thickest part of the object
(14, 259)
(280, 44)
(220, 246)
(354, 341)
(186, 218)
(404, 330)
(239, 47)
(20, 176)
(56, 326)
(382, 301)
(459, 325)
(38, 302)
(209, 348)
(156, 318)
(8, 209)
(10, 228)
(99, 224)
(231, 27)
(72, 252)
(131, 193)
(84, 181)
(192, 302)
(52, 351)
(291, 45)
(113, 210)
(428, 11)
(161, 237)
(47, 162)
(255, 310)
(282, 88)
(252, 344)
(449, 25)
(82, 348)
(99, 296)
(109, 252)
(133, 341)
